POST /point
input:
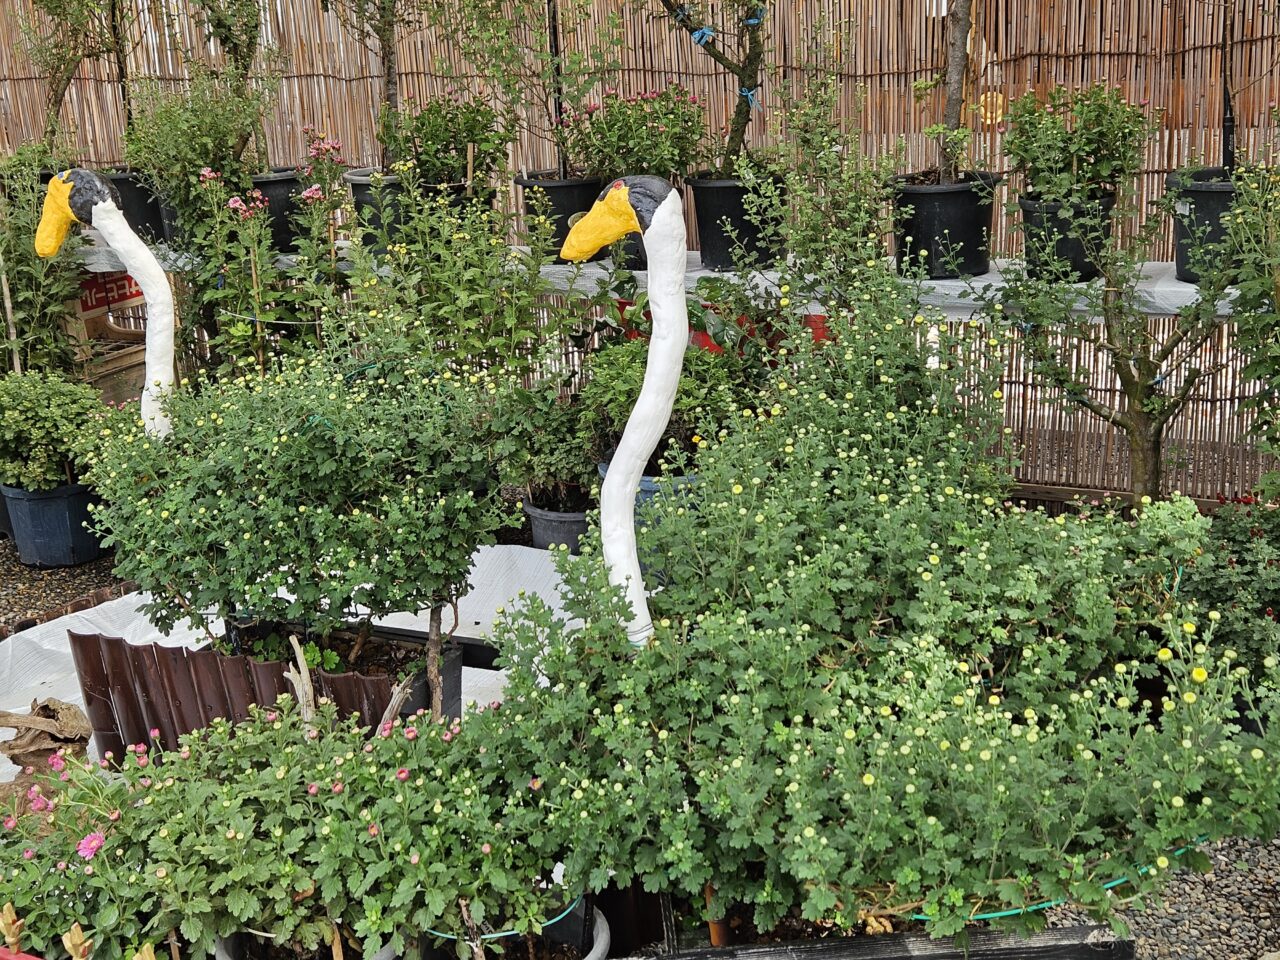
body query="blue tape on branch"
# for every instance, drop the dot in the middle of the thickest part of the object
(703, 35)
(750, 94)
(756, 18)
(681, 14)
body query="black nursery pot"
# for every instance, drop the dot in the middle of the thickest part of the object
(554, 527)
(720, 209)
(364, 195)
(140, 206)
(1061, 240)
(566, 198)
(49, 525)
(1203, 199)
(280, 188)
(950, 224)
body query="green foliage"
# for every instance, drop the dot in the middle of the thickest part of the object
(43, 420)
(288, 828)
(1078, 144)
(1238, 575)
(435, 135)
(39, 289)
(541, 445)
(659, 133)
(340, 481)
(177, 132)
(712, 389)
(444, 276)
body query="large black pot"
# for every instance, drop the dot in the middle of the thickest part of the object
(1203, 199)
(720, 209)
(139, 205)
(554, 527)
(1062, 241)
(363, 193)
(946, 228)
(49, 525)
(280, 188)
(566, 198)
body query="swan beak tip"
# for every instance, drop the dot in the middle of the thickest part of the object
(56, 218)
(611, 218)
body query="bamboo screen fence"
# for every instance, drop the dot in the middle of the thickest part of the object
(1164, 51)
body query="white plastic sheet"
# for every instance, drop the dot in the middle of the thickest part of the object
(36, 663)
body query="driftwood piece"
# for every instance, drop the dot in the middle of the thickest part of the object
(52, 725)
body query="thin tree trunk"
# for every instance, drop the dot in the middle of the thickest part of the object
(748, 79)
(1146, 456)
(386, 32)
(434, 649)
(959, 23)
(58, 86)
(120, 51)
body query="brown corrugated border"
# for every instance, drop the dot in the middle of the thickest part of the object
(101, 595)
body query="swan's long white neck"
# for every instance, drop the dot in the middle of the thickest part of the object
(146, 271)
(667, 249)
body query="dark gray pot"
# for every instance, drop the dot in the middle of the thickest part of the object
(49, 525)
(552, 528)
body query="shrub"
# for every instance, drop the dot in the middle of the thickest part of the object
(43, 422)
(434, 137)
(659, 133)
(324, 491)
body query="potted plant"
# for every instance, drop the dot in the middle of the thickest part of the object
(209, 124)
(659, 132)
(1075, 151)
(43, 419)
(543, 450)
(709, 393)
(542, 63)
(452, 146)
(944, 214)
(308, 500)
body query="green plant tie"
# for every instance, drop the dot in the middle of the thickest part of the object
(511, 933)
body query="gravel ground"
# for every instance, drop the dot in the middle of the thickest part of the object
(1231, 913)
(28, 592)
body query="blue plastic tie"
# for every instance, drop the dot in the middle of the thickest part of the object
(750, 94)
(703, 35)
(756, 19)
(1158, 380)
(682, 13)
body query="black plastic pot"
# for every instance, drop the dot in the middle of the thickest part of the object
(281, 188)
(946, 228)
(365, 196)
(720, 209)
(139, 205)
(1061, 241)
(552, 528)
(566, 198)
(49, 525)
(1204, 198)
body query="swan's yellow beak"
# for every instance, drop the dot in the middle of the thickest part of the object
(57, 218)
(608, 220)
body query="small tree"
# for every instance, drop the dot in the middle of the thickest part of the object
(739, 51)
(63, 34)
(952, 134)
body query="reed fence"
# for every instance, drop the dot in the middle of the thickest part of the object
(1166, 52)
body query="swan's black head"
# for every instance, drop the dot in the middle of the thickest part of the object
(71, 198)
(624, 206)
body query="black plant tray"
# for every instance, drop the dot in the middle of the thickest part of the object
(1072, 943)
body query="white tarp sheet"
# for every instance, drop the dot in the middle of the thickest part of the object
(36, 663)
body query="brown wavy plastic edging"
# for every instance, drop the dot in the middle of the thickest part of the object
(132, 689)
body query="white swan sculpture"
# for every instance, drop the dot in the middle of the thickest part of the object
(651, 207)
(82, 196)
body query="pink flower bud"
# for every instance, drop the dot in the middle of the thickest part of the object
(402, 774)
(373, 829)
(313, 788)
(486, 849)
(337, 787)
(28, 854)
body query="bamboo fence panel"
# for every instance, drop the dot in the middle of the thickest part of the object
(1164, 51)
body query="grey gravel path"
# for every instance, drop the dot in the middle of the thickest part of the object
(1231, 913)
(27, 592)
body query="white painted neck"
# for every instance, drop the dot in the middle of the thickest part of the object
(146, 271)
(667, 250)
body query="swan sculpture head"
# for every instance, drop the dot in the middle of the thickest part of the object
(72, 197)
(627, 205)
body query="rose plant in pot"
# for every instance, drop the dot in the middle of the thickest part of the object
(308, 500)
(45, 420)
(543, 450)
(1078, 154)
(659, 132)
